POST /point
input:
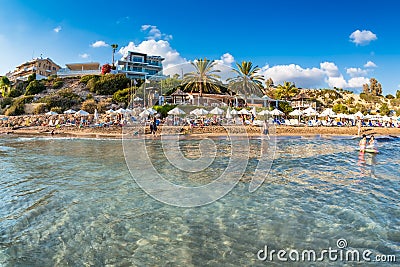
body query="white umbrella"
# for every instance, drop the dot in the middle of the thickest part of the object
(359, 115)
(144, 113)
(263, 112)
(310, 112)
(176, 111)
(244, 112)
(51, 113)
(234, 112)
(253, 111)
(199, 112)
(152, 111)
(120, 111)
(341, 115)
(96, 114)
(276, 112)
(69, 111)
(228, 113)
(137, 99)
(110, 111)
(81, 113)
(217, 111)
(327, 113)
(296, 112)
(128, 110)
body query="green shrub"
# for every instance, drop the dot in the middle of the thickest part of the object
(57, 84)
(57, 109)
(339, 108)
(39, 109)
(89, 105)
(64, 99)
(15, 93)
(6, 101)
(389, 96)
(89, 96)
(34, 87)
(163, 110)
(85, 79)
(18, 106)
(111, 83)
(122, 95)
(91, 85)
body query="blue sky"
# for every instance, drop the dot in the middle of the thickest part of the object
(313, 43)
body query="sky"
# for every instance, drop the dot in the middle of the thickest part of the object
(316, 44)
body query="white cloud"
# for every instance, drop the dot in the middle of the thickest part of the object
(370, 64)
(226, 59)
(363, 37)
(57, 29)
(338, 82)
(99, 44)
(307, 78)
(154, 33)
(356, 72)
(330, 68)
(357, 82)
(84, 55)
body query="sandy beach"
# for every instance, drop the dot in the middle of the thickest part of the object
(117, 132)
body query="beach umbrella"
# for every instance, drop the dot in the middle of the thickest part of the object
(327, 113)
(234, 112)
(110, 111)
(51, 113)
(176, 111)
(128, 110)
(137, 99)
(217, 111)
(276, 112)
(296, 112)
(253, 111)
(228, 113)
(310, 112)
(199, 112)
(341, 115)
(263, 113)
(359, 115)
(152, 111)
(81, 113)
(120, 111)
(144, 113)
(96, 114)
(244, 112)
(69, 111)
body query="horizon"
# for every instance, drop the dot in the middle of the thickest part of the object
(313, 44)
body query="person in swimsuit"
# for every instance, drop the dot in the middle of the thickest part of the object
(363, 143)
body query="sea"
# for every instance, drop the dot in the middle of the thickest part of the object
(78, 202)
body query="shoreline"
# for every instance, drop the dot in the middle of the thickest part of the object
(209, 131)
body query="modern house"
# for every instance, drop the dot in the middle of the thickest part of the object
(140, 66)
(80, 69)
(42, 67)
(302, 100)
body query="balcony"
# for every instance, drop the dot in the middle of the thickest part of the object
(71, 73)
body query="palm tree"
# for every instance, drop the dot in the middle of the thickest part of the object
(286, 91)
(114, 48)
(248, 81)
(203, 79)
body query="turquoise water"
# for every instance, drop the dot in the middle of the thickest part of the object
(73, 202)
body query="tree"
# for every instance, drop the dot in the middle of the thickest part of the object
(269, 83)
(374, 88)
(286, 91)
(398, 94)
(34, 87)
(114, 48)
(384, 110)
(106, 68)
(248, 81)
(203, 79)
(285, 107)
(4, 85)
(170, 83)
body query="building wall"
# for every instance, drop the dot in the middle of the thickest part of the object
(42, 67)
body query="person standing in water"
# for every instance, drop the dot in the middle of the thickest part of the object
(363, 143)
(372, 144)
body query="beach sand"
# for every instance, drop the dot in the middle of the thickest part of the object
(117, 132)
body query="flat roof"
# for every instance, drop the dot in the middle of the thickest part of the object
(83, 66)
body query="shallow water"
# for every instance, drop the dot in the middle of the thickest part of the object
(73, 202)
